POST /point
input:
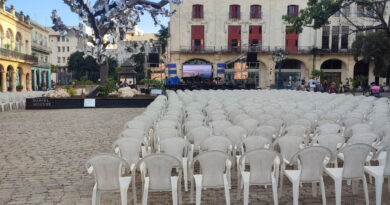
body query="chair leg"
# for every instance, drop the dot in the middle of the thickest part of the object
(246, 193)
(295, 192)
(185, 174)
(337, 184)
(174, 189)
(146, 191)
(388, 184)
(227, 192)
(95, 196)
(314, 189)
(378, 189)
(323, 191)
(124, 196)
(275, 190)
(198, 183)
(355, 187)
(133, 187)
(365, 190)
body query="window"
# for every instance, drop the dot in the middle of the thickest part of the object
(58, 59)
(345, 11)
(8, 40)
(325, 37)
(59, 49)
(45, 59)
(18, 43)
(335, 38)
(234, 12)
(63, 59)
(58, 39)
(63, 49)
(67, 48)
(337, 14)
(63, 38)
(370, 12)
(197, 11)
(255, 11)
(292, 10)
(344, 37)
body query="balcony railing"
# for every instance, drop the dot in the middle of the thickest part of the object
(257, 48)
(37, 46)
(13, 54)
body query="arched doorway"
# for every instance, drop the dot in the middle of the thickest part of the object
(361, 69)
(291, 73)
(9, 78)
(197, 71)
(243, 74)
(332, 70)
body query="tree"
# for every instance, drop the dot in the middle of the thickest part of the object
(112, 64)
(373, 18)
(139, 64)
(83, 65)
(374, 46)
(110, 19)
(162, 38)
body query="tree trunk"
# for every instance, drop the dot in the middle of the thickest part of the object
(104, 71)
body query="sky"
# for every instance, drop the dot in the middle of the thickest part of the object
(40, 11)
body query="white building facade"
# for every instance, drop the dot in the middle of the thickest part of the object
(222, 32)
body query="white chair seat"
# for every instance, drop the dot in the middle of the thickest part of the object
(293, 175)
(335, 173)
(377, 172)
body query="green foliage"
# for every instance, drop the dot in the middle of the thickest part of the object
(53, 68)
(317, 73)
(108, 87)
(82, 65)
(356, 81)
(19, 87)
(112, 67)
(139, 60)
(72, 91)
(374, 46)
(8, 46)
(156, 84)
(162, 38)
(67, 87)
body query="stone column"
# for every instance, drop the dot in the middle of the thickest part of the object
(29, 82)
(13, 73)
(39, 77)
(22, 80)
(4, 81)
(49, 79)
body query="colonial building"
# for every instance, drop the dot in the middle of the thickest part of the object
(228, 34)
(41, 72)
(15, 50)
(62, 46)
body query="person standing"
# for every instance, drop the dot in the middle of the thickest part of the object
(312, 85)
(303, 83)
(341, 87)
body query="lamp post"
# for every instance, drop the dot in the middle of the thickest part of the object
(278, 57)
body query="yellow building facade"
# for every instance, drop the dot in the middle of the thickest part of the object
(15, 50)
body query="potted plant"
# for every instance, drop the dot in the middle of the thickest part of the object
(19, 88)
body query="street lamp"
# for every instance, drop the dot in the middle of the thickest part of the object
(278, 57)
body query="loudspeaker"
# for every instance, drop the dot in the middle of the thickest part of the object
(251, 57)
(154, 59)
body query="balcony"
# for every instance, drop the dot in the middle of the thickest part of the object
(39, 47)
(16, 55)
(256, 48)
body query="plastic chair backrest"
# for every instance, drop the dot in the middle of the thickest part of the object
(107, 170)
(289, 145)
(365, 138)
(332, 128)
(212, 167)
(129, 149)
(216, 143)
(174, 146)
(312, 162)
(165, 133)
(267, 131)
(235, 134)
(255, 142)
(330, 141)
(159, 168)
(131, 132)
(219, 126)
(355, 156)
(261, 163)
(197, 135)
(387, 162)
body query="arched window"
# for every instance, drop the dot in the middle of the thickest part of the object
(292, 10)
(8, 40)
(18, 43)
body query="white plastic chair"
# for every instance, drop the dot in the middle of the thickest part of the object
(159, 177)
(353, 169)
(263, 170)
(107, 171)
(380, 172)
(214, 173)
(312, 160)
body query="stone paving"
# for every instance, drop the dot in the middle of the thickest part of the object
(43, 153)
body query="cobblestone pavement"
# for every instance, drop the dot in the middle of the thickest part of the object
(43, 153)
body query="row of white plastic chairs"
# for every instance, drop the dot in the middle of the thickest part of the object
(174, 108)
(16, 100)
